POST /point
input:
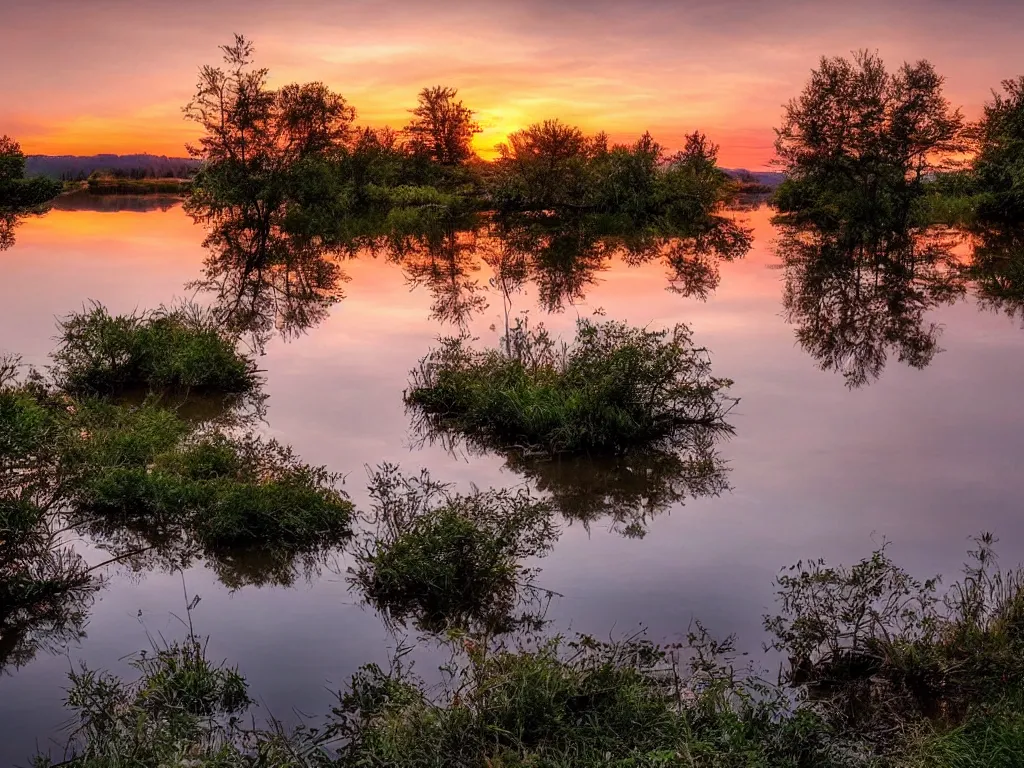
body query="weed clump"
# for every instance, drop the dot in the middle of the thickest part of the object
(168, 349)
(615, 389)
(448, 560)
(143, 465)
(575, 703)
(879, 651)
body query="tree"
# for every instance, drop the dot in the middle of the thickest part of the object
(859, 141)
(253, 134)
(545, 165)
(999, 164)
(12, 160)
(17, 192)
(442, 127)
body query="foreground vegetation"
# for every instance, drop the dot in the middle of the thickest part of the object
(615, 389)
(887, 674)
(181, 348)
(450, 561)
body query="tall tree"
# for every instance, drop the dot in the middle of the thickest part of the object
(999, 163)
(859, 141)
(442, 127)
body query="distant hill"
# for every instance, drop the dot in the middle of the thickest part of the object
(768, 178)
(133, 166)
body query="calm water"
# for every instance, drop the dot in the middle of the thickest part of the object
(925, 457)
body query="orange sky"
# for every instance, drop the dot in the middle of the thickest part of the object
(112, 75)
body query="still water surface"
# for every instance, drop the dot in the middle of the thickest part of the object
(925, 458)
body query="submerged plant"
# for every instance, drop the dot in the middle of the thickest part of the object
(450, 561)
(615, 389)
(176, 348)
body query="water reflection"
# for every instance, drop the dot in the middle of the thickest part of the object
(997, 270)
(627, 492)
(857, 299)
(263, 278)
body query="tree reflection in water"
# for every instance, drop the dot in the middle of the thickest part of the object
(857, 299)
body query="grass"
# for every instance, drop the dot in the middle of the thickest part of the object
(580, 702)
(109, 185)
(450, 561)
(168, 349)
(880, 651)
(144, 464)
(615, 389)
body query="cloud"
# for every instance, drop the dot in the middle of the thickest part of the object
(112, 72)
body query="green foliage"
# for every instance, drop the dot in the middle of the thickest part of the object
(180, 348)
(12, 160)
(877, 647)
(615, 389)
(859, 142)
(999, 164)
(551, 165)
(110, 185)
(447, 560)
(991, 737)
(28, 193)
(136, 465)
(442, 127)
(581, 703)
(17, 192)
(182, 709)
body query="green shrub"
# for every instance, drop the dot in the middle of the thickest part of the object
(580, 703)
(447, 560)
(878, 649)
(614, 390)
(227, 491)
(181, 348)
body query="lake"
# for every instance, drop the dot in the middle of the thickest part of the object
(925, 457)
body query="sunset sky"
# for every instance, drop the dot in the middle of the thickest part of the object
(90, 76)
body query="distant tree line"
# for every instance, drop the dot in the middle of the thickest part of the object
(139, 166)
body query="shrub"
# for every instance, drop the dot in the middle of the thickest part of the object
(227, 491)
(615, 389)
(581, 703)
(449, 560)
(879, 649)
(179, 348)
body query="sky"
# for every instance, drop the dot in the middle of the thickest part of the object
(92, 76)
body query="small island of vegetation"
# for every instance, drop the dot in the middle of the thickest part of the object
(613, 390)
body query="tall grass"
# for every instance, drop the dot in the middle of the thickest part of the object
(615, 389)
(177, 348)
(146, 465)
(451, 561)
